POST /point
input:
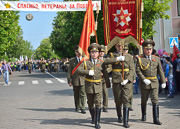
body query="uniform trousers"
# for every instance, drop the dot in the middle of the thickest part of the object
(122, 94)
(145, 95)
(94, 99)
(105, 95)
(79, 97)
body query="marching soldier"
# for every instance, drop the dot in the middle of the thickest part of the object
(49, 66)
(43, 65)
(122, 87)
(93, 69)
(126, 49)
(147, 68)
(56, 65)
(30, 66)
(77, 81)
(104, 88)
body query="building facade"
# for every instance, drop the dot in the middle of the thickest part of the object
(168, 28)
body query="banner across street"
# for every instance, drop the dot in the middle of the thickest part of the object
(47, 6)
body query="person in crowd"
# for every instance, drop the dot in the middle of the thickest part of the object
(169, 76)
(176, 67)
(5, 68)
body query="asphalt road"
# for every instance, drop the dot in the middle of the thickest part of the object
(45, 101)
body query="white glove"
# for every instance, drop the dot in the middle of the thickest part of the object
(91, 72)
(124, 82)
(163, 85)
(147, 81)
(120, 58)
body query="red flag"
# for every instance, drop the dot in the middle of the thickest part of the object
(88, 29)
(175, 52)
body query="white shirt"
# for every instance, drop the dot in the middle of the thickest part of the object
(79, 58)
(94, 61)
(101, 58)
(148, 57)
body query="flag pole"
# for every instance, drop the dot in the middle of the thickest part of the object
(96, 23)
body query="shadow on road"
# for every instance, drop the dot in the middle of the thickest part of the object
(51, 110)
(66, 92)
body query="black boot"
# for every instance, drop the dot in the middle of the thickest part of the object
(126, 117)
(92, 114)
(118, 109)
(97, 118)
(156, 115)
(143, 109)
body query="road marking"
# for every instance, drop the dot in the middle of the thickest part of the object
(35, 82)
(48, 81)
(21, 82)
(60, 80)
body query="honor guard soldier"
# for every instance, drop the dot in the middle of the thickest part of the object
(30, 65)
(147, 68)
(123, 70)
(49, 66)
(126, 49)
(104, 88)
(40, 64)
(77, 81)
(56, 65)
(43, 63)
(94, 71)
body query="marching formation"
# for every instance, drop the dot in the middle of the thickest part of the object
(91, 76)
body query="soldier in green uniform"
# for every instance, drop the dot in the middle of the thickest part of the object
(126, 49)
(77, 81)
(49, 66)
(147, 68)
(104, 88)
(56, 65)
(122, 87)
(30, 65)
(43, 63)
(93, 69)
(40, 64)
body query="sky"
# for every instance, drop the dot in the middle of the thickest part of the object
(39, 27)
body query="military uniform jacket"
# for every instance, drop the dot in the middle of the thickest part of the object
(129, 68)
(56, 64)
(148, 69)
(93, 84)
(29, 63)
(43, 65)
(75, 79)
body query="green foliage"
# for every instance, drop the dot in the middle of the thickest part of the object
(153, 10)
(9, 31)
(67, 26)
(11, 40)
(45, 50)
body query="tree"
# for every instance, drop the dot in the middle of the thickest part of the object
(45, 50)
(153, 10)
(67, 26)
(9, 30)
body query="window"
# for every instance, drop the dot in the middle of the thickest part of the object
(178, 7)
